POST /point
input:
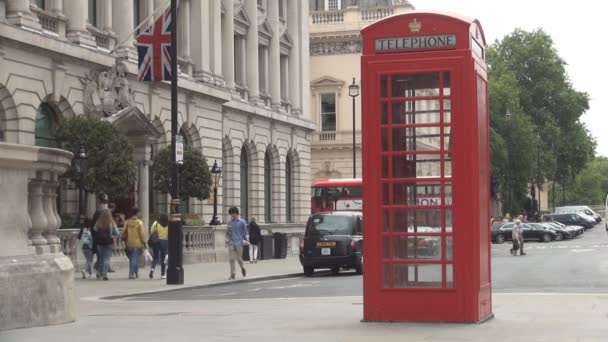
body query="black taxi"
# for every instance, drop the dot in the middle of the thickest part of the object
(333, 240)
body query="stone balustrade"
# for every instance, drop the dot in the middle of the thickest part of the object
(376, 13)
(327, 17)
(103, 39)
(200, 243)
(50, 21)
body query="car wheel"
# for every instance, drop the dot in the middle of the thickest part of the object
(500, 238)
(335, 270)
(546, 238)
(559, 237)
(308, 271)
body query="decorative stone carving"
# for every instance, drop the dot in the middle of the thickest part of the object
(335, 48)
(107, 91)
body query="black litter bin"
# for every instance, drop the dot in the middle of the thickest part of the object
(266, 247)
(280, 245)
(246, 252)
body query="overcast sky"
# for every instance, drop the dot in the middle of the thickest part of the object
(578, 28)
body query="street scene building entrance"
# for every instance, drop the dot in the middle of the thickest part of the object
(426, 170)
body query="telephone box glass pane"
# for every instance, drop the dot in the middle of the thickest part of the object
(449, 246)
(447, 165)
(416, 139)
(385, 167)
(384, 113)
(447, 82)
(447, 191)
(447, 138)
(384, 86)
(420, 194)
(415, 85)
(417, 247)
(386, 271)
(447, 111)
(417, 275)
(416, 112)
(417, 165)
(417, 220)
(386, 247)
(385, 223)
(449, 276)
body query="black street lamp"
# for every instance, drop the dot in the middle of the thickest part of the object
(216, 171)
(508, 118)
(80, 162)
(353, 91)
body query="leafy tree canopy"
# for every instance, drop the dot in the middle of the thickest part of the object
(110, 165)
(194, 176)
(528, 79)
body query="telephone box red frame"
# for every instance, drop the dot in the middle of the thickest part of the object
(425, 113)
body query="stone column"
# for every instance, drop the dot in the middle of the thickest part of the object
(37, 215)
(199, 39)
(216, 43)
(293, 27)
(49, 201)
(149, 11)
(251, 8)
(184, 35)
(107, 15)
(77, 13)
(57, 8)
(228, 44)
(18, 13)
(122, 22)
(274, 54)
(144, 193)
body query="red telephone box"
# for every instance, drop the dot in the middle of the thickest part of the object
(426, 184)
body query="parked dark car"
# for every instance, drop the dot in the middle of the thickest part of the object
(577, 230)
(333, 240)
(569, 219)
(561, 233)
(541, 233)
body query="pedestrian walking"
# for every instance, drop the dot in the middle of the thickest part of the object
(517, 237)
(521, 237)
(237, 236)
(159, 234)
(255, 237)
(86, 241)
(105, 232)
(135, 241)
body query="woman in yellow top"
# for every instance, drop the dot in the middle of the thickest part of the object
(159, 234)
(135, 241)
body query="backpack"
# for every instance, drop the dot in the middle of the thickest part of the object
(103, 236)
(86, 239)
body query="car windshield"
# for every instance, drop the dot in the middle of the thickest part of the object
(330, 225)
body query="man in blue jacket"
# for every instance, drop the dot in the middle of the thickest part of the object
(237, 237)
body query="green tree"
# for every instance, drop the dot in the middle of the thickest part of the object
(529, 80)
(110, 165)
(194, 177)
(589, 187)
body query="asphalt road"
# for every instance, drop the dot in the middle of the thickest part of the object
(579, 265)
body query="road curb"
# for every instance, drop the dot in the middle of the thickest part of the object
(204, 286)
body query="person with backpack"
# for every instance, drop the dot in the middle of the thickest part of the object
(134, 236)
(255, 237)
(105, 232)
(159, 235)
(86, 240)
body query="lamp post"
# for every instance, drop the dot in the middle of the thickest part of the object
(538, 171)
(80, 162)
(353, 91)
(216, 171)
(508, 119)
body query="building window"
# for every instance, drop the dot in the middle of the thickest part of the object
(284, 69)
(136, 13)
(239, 60)
(267, 187)
(333, 5)
(263, 68)
(282, 12)
(93, 12)
(46, 126)
(317, 5)
(244, 184)
(328, 112)
(288, 185)
(40, 4)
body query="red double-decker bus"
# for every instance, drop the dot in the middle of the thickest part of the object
(336, 194)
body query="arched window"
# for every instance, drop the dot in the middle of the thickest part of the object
(288, 186)
(244, 184)
(46, 126)
(267, 187)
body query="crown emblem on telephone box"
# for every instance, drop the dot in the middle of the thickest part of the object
(415, 26)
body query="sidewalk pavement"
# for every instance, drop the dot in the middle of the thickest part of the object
(522, 317)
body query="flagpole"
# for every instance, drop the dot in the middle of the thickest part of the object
(175, 272)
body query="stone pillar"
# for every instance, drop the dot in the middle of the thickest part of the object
(149, 10)
(293, 27)
(184, 36)
(77, 13)
(57, 8)
(37, 215)
(18, 13)
(251, 8)
(228, 44)
(200, 39)
(216, 41)
(274, 54)
(107, 15)
(122, 22)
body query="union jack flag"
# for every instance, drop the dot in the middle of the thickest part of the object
(154, 50)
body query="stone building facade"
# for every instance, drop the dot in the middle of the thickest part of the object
(243, 101)
(335, 59)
